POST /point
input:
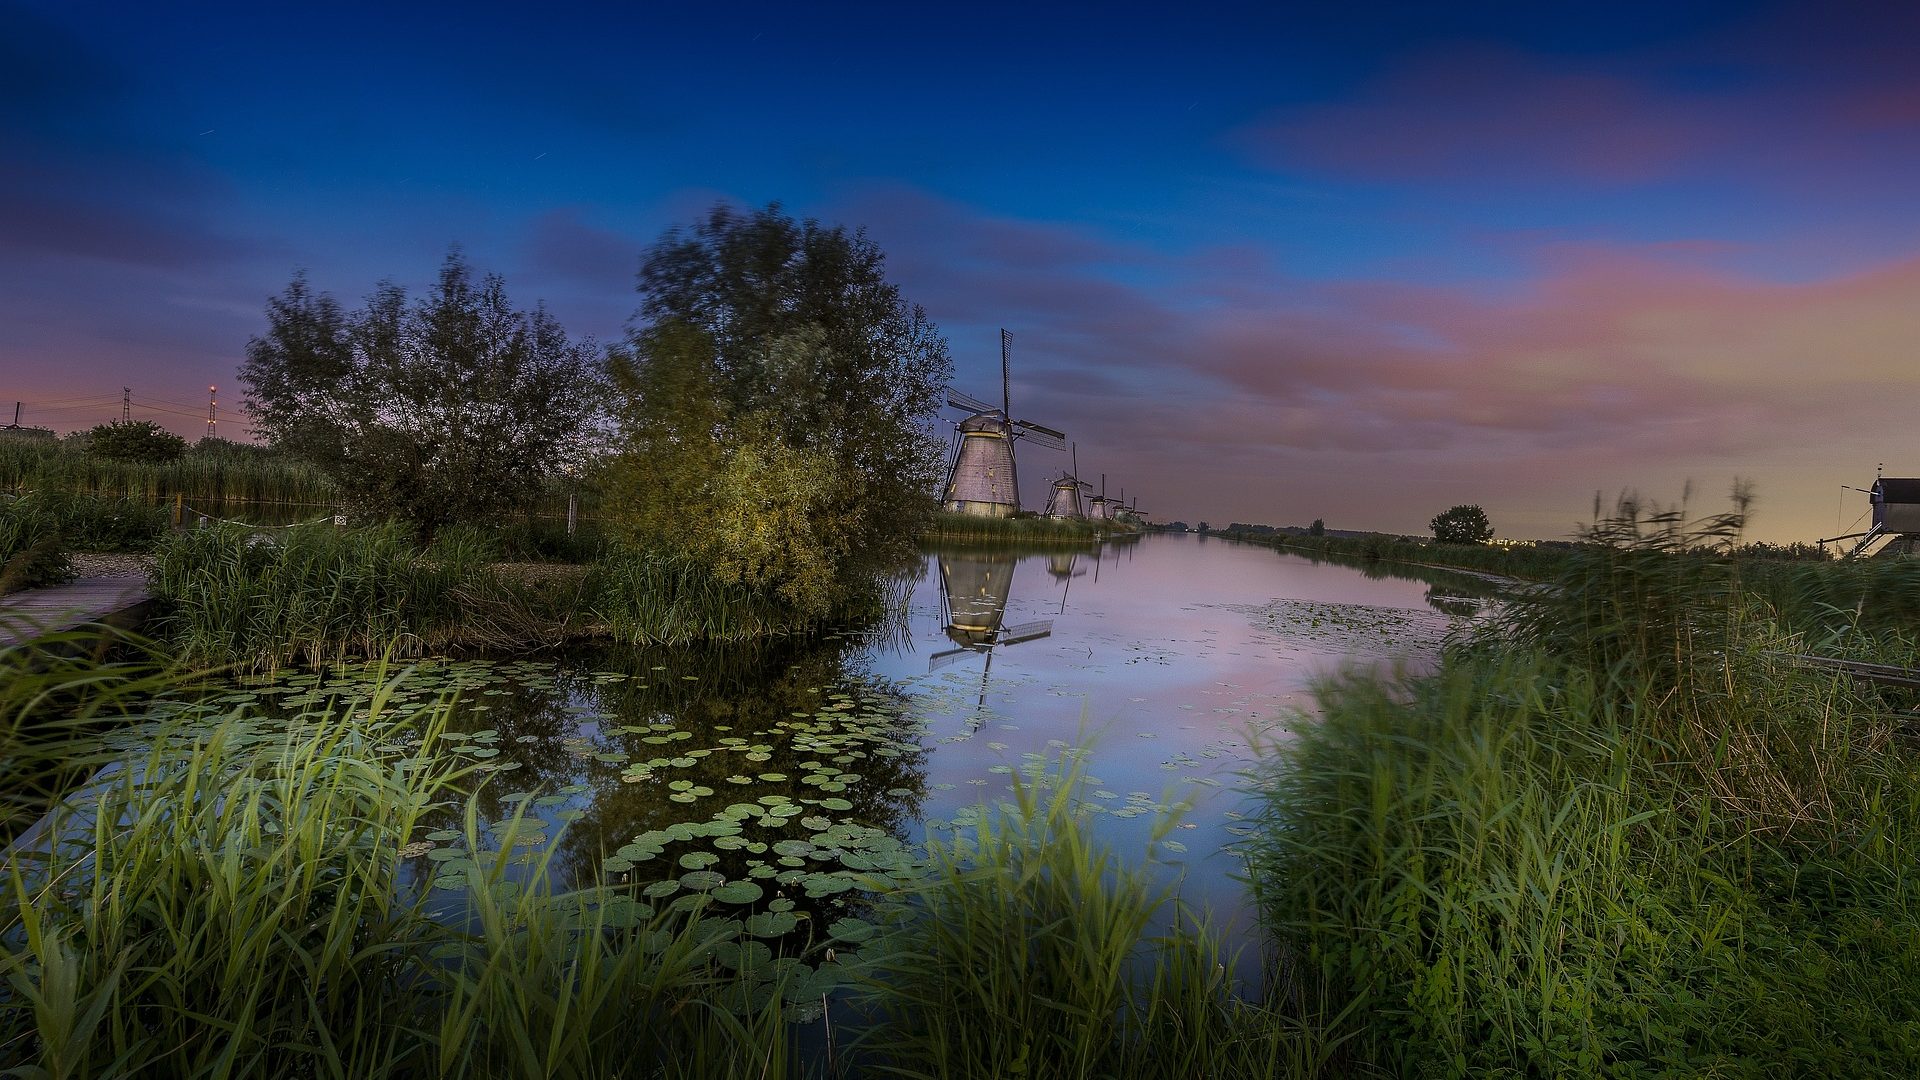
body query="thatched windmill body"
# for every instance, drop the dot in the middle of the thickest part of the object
(982, 478)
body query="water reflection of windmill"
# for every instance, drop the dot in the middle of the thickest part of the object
(981, 478)
(974, 589)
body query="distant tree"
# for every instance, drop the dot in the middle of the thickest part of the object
(134, 440)
(1318, 528)
(1203, 527)
(775, 406)
(1462, 525)
(454, 407)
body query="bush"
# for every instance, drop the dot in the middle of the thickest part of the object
(135, 440)
(32, 553)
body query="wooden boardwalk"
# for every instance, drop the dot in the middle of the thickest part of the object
(61, 607)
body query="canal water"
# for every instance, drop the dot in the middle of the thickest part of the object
(788, 775)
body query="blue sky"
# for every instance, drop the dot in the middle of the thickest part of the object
(1266, 263)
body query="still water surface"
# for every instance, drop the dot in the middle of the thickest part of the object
(782, 775)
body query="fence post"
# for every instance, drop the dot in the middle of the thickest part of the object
(572, 505)
(179, 508)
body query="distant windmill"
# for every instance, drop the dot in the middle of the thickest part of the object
(1097, 506)
(1065, 502)
(981, 478)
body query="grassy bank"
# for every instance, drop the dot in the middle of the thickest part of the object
(318, 593)
(1023, 530)
(1531, 563)
(1617, 836)
(282, 926)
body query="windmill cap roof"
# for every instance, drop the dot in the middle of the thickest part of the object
(1898, 489)
(986, 421)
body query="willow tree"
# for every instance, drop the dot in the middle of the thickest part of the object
(776, 408)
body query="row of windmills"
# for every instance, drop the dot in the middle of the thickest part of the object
(982, 474)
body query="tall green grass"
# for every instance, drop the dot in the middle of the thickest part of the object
(1033, 950)
(1036, 530)
(664, 598)
(314, 594)
(1616, 835)
(212, 473)
(229, 896)
(32, 552)
(234, 899)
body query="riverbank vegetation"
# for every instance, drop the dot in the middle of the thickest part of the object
(313, 944)
(1021, 529)
(209, 474)
(1618, 833)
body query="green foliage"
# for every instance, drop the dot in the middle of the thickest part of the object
(1615, 835)
(212, 472)
(660, 597)
(1318, 528)
(1462, 525)
(32, 553)
(242, 896)
(316, 593)
(457, 407)
(1037, 530)
(92, 523)
(271, 930)
(134, 440)
(775, 397)
(1030, 951)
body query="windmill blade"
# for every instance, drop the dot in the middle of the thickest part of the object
(1045, 436)
(1014, 635)
(967, 401)
(943, 659)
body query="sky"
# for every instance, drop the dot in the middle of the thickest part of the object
(1262, 263)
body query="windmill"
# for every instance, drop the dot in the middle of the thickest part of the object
(981, 479)
(1895, 503)
(1097, 506)
(1065, 501)
(974, 589)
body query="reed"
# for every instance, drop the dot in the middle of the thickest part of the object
(228, 898)
(1615, 834)
(32, 553)
(662, 598)
(316, 593)
(212, 473)
(1032, 950)
(1035, 530)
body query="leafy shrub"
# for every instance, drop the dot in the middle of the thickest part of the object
(32, 552)
(134, 440)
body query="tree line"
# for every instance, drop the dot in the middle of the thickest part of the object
(768, 413)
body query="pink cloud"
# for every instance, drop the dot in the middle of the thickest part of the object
(1224, 389)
